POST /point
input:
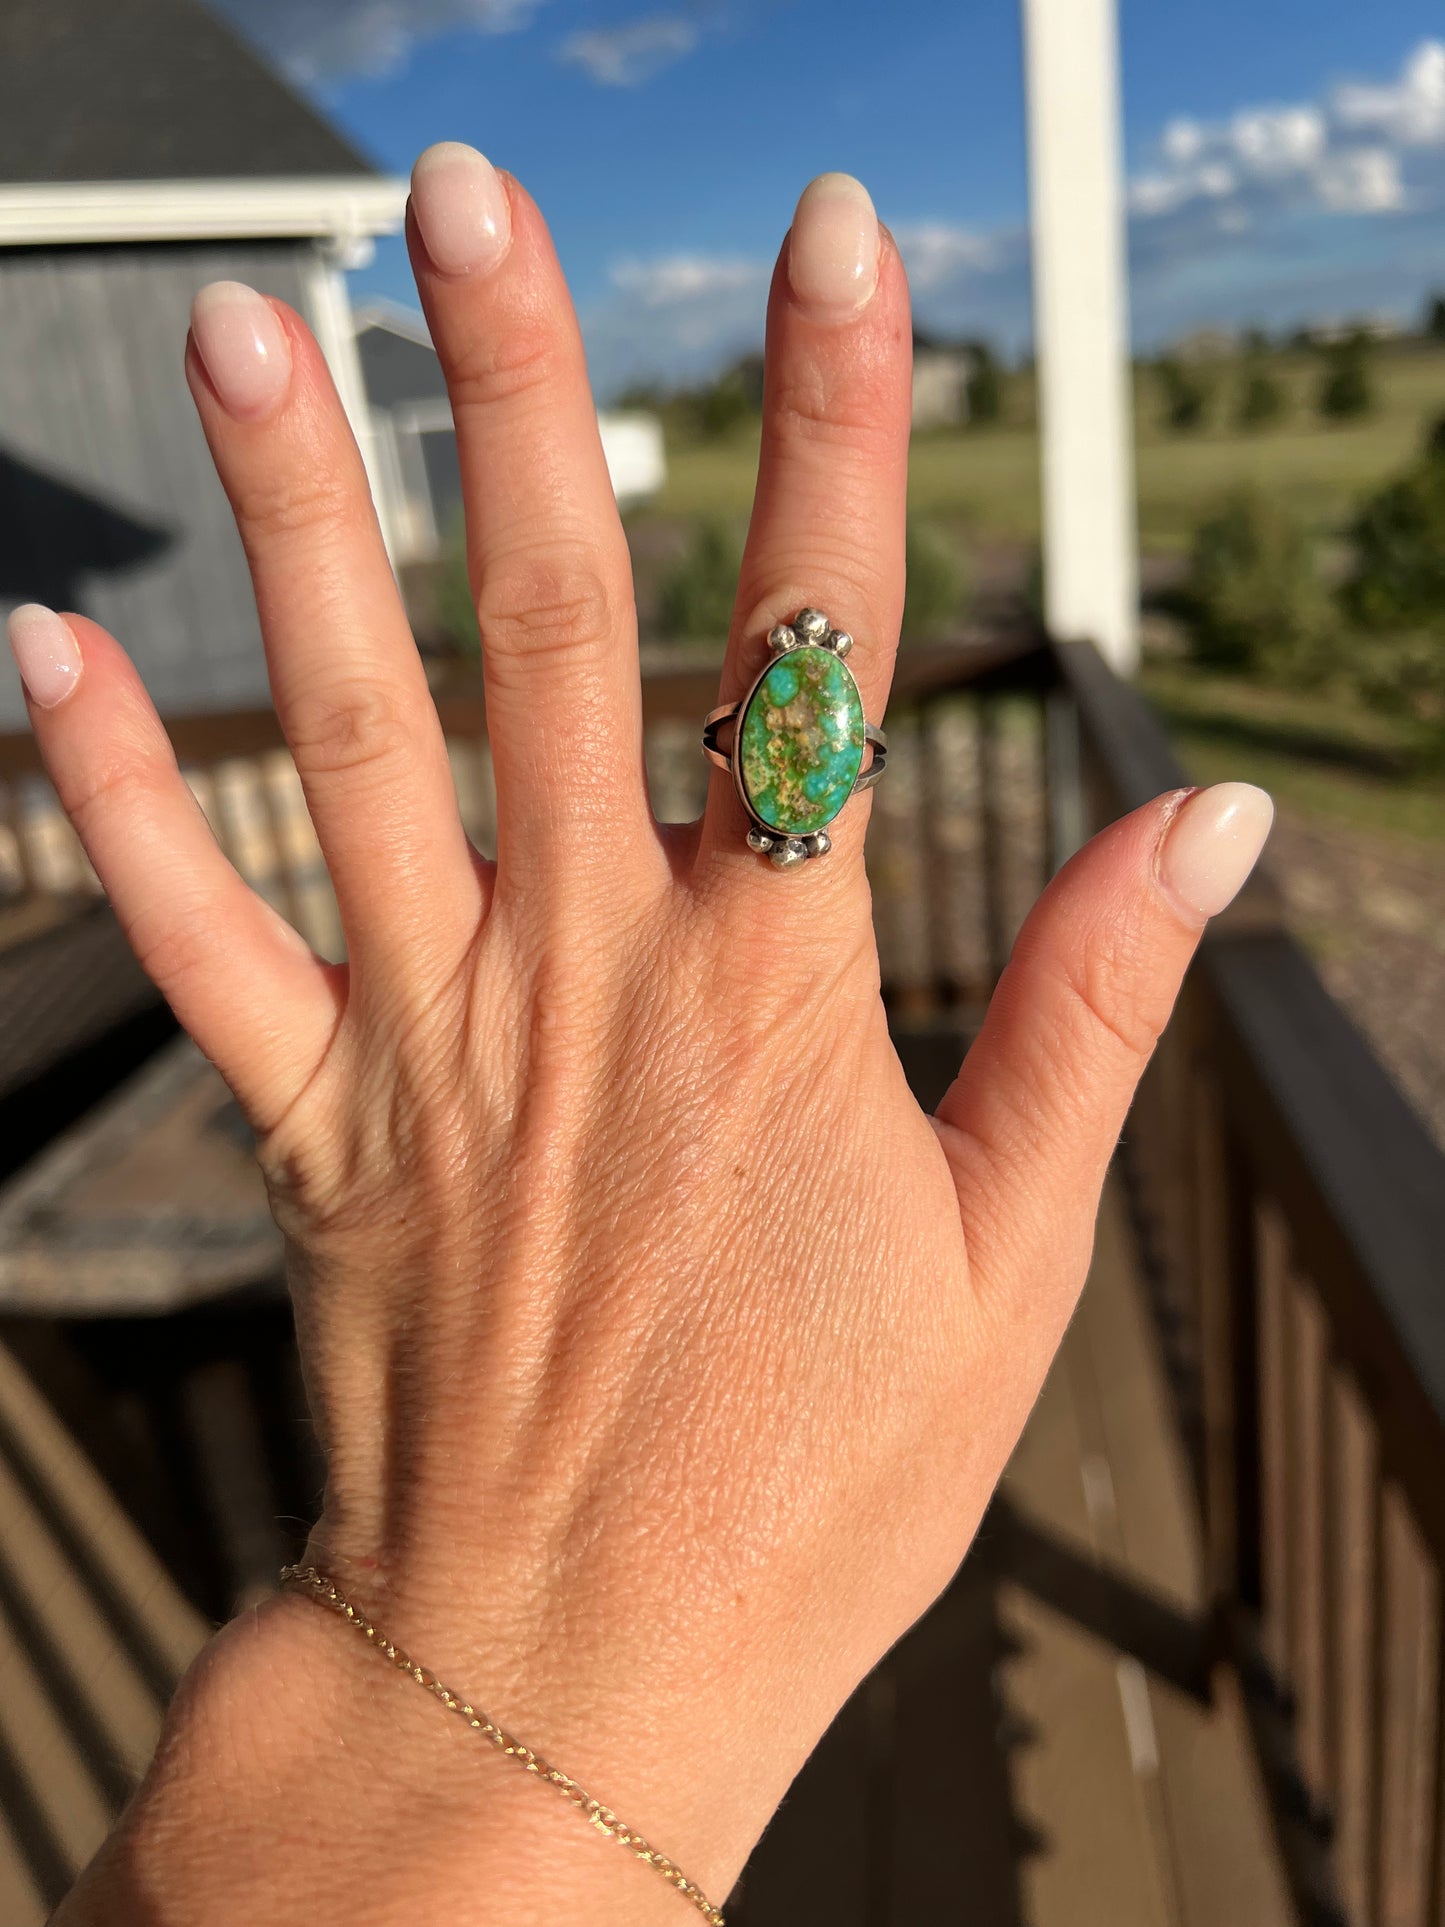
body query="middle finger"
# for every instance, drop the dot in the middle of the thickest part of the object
(546, 553)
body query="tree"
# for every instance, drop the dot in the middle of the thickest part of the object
(985, 383)
(1255, 594)
(1397, 591)
(696, 598)
(1186, 391)
(1399, 543)
(1346, 388)
(1261, 398)
(1435, 318)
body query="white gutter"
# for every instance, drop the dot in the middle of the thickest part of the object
(347, 209)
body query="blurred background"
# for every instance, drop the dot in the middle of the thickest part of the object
(1177, 513)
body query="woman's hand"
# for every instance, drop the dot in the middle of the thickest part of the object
(664, 1352)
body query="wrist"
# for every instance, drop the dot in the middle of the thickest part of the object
(300, 1775)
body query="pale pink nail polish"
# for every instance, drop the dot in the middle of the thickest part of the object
(241, 341)
(1212, 845)
(833, 249)
(46, 653)
(461, 209)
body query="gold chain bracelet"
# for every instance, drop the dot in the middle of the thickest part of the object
(315, 1584)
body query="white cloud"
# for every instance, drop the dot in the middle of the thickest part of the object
(1278, 140)
(1411, 111)
(1182, 142)
(321, 40)
(627, 56)
(937, 254)
(1215, 233)
(1343, 155)
(1361, 180)
(675, 316)
(681, 279)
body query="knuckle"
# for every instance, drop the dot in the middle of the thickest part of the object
(177, 950)
(548, 607)
(272, 510)
(346, 727)
(122, 784)
(514, 364)
(810, 404)
(1109, 1001)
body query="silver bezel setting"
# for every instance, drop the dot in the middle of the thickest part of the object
(809, 629)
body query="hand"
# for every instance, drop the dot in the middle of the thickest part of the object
(664, 1352)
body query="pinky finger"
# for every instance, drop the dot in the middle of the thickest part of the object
(251, 992)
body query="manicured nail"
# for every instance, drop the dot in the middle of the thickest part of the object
(1211, 846)
(833, 250)
(461, 209)
(241, 341)
(46, 653)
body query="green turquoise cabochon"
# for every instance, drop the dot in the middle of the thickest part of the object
(800, 741)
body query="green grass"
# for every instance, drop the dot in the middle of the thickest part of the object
(1318, 753)
(985, 480)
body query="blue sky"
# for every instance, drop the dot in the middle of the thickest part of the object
(1286, 157)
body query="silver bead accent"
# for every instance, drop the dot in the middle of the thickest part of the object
(787, 854)
(760, 841)
(781, 637)
(811, 624)
(840, 642)
(819, 843)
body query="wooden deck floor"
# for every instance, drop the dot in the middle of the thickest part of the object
(1045, 1749)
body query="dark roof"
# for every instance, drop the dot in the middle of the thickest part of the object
(153, 90)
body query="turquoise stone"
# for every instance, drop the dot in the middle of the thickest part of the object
(800, 741)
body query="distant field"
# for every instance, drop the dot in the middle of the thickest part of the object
(985, 480)
(1333, 760)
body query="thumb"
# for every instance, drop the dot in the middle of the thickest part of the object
(1031, 1121)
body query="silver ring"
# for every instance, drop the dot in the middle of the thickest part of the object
(799, 741)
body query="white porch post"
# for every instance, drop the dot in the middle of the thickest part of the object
(335, 330)
(1081, 325)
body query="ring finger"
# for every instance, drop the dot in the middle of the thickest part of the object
(827, 527)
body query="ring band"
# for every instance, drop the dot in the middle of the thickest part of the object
(799, 741)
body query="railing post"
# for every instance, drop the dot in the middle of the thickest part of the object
(1081, 325)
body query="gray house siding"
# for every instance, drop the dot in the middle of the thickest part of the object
(397, 370)
(108, 500)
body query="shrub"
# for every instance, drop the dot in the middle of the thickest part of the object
(1255, 597)
(697, 594)
(1186, 392)
(1399, 540)
(1346, 387)
(936, 582)
(1261, 399)
(1396, 592)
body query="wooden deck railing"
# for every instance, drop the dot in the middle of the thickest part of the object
(1296, 1209)
(1292, 1205)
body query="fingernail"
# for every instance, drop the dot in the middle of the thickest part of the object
(1212, 845)
(241, 341)
(461, 208)
(46, 653)
(833, 250)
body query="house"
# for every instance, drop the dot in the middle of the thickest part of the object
(415, 443)
(942, 371)
(146, 150)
